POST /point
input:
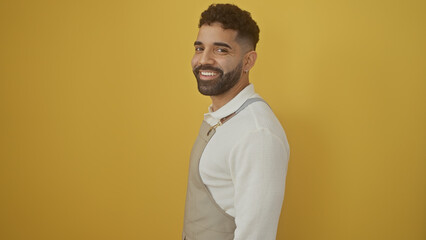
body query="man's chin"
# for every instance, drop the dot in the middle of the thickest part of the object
(208, 89)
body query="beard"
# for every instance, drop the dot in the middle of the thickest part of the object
(221, 84)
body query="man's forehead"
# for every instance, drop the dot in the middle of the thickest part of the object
(215, 32)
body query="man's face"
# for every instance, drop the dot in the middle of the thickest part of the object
(217, 62)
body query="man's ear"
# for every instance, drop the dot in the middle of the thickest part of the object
(249, 60)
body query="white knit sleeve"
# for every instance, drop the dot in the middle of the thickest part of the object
(258, 165)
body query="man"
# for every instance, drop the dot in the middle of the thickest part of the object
(239, 161)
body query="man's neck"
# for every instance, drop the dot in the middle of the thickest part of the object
(220, 100)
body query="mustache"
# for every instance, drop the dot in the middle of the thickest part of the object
(207, 67)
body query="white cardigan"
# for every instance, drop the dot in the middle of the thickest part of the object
(245, 164)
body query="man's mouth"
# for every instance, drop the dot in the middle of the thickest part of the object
(207, 74)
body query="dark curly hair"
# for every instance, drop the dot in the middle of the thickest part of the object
(232, 17)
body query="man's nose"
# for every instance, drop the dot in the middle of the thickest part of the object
(207, 58)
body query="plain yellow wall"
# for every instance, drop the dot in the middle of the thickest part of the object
(99, 110)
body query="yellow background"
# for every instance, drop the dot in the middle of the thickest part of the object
(99, 110)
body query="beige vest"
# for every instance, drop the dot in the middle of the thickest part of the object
(204, 218)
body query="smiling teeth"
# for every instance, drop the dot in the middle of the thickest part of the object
(208, 73)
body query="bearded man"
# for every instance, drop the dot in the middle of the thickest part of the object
(239, 161)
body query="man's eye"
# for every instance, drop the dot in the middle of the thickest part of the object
(222, 50)
(198, 49)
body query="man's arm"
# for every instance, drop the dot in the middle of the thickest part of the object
(258, 166)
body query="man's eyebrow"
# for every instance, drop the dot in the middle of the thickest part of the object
(222, 44)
